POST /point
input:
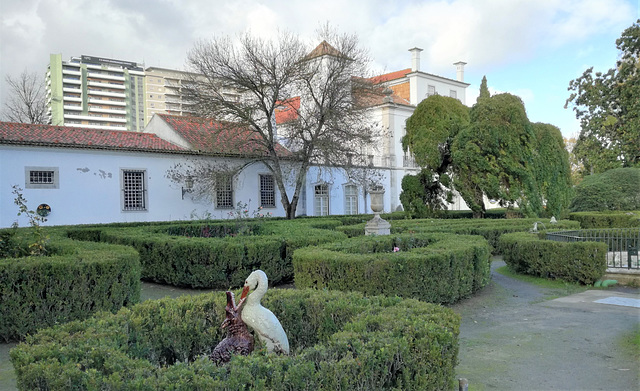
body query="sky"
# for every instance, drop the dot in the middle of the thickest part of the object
(530, 48)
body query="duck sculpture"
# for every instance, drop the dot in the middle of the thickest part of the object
(260, 319)
(238, 339)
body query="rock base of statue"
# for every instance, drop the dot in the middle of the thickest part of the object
(377, 226)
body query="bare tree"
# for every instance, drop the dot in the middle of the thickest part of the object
(313, 91)
(27, 99)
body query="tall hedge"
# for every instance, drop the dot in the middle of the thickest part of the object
(609, 219)
(75, 281)
(339, 341)
(215, 255)
(583, 262)
(437, 268)
(617, 189)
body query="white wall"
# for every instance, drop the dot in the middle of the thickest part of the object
(90, 187)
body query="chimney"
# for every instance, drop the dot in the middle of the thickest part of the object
(415, 59)
(460, 70)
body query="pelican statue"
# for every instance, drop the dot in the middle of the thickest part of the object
(260, 319)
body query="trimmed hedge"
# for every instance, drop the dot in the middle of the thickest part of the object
(339, 341)
(490, 229)
(438, 268)
(75, 281)
(215, 255)
(583, 262)
(606, 219)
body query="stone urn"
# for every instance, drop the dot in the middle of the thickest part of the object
(377, 226)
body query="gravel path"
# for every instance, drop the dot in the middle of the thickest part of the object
(512, 338)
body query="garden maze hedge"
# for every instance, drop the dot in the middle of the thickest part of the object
(339, 341)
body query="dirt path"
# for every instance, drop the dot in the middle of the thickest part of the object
(511, 338)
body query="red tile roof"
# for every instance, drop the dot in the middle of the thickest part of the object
(390, 76)
(67, 136)
(287, 110)
(324, 49)
(208, 136)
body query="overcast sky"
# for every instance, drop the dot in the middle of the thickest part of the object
(531, 48)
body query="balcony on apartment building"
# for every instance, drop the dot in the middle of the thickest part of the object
(104, 76)
(96, 83)
(95, 118)
(106, 93)
(107, 110)
(107, 102)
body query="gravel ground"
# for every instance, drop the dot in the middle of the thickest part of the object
(513, 338)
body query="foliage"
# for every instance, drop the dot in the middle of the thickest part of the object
(431, 130)
(435, 268)
(608, 108)
(27, 99)
(316, 91)
(551, 170)
(607, 219)
(617, 189)
(583, 262)
(37, 243)
(494, 155)
(484, 89)
(338, 341)
(74, 281)
(213, 254)
(417, 198)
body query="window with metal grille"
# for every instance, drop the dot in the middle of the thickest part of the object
(41, 177)
(267, 192)
(321, 200)
(133, 190)
(350, 200)
(224, 191)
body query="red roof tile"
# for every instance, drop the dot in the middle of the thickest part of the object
(67, 136)
(206, 135)
(390, 76)
(287, 110)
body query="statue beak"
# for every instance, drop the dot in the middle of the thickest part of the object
(245, 292)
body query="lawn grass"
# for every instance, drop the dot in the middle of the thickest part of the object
(554, 288)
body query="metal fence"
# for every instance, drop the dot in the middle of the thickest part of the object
(622, 243)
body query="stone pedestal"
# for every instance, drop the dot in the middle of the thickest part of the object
(377, 226)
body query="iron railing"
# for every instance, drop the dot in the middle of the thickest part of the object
(622, 243)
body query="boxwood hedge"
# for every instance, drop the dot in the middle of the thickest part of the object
(215, 255)
(74, 281)
(438, 268)
(338, 340)
(583, 262)
(490, 229)
(608, 219)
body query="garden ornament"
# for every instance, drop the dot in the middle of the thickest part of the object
(238, 339)
(260, 319)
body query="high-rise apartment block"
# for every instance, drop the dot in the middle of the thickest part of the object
(95, 92)
(164, 92)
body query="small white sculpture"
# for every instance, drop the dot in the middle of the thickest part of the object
(260, 319)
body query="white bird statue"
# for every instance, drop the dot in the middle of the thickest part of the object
(260, 319)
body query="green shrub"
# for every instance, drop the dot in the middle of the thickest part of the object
(606, 219)
(490, 229)
(438, 268)
(338, 341)
(583, 262)
(215, 255)
(74, 281)
(617, 189)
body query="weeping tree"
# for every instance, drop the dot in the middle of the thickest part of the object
(494, 155)
(551, 170)
(431, 130)
(287, 93)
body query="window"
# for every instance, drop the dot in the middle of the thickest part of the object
(350, 200)
(321, 200)
(224, 191)
(133, 190)
(267, 192)
(453, 94)
(431, 90)
(41, 178)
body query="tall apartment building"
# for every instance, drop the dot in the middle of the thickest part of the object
(163, 94)
(96, 92)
